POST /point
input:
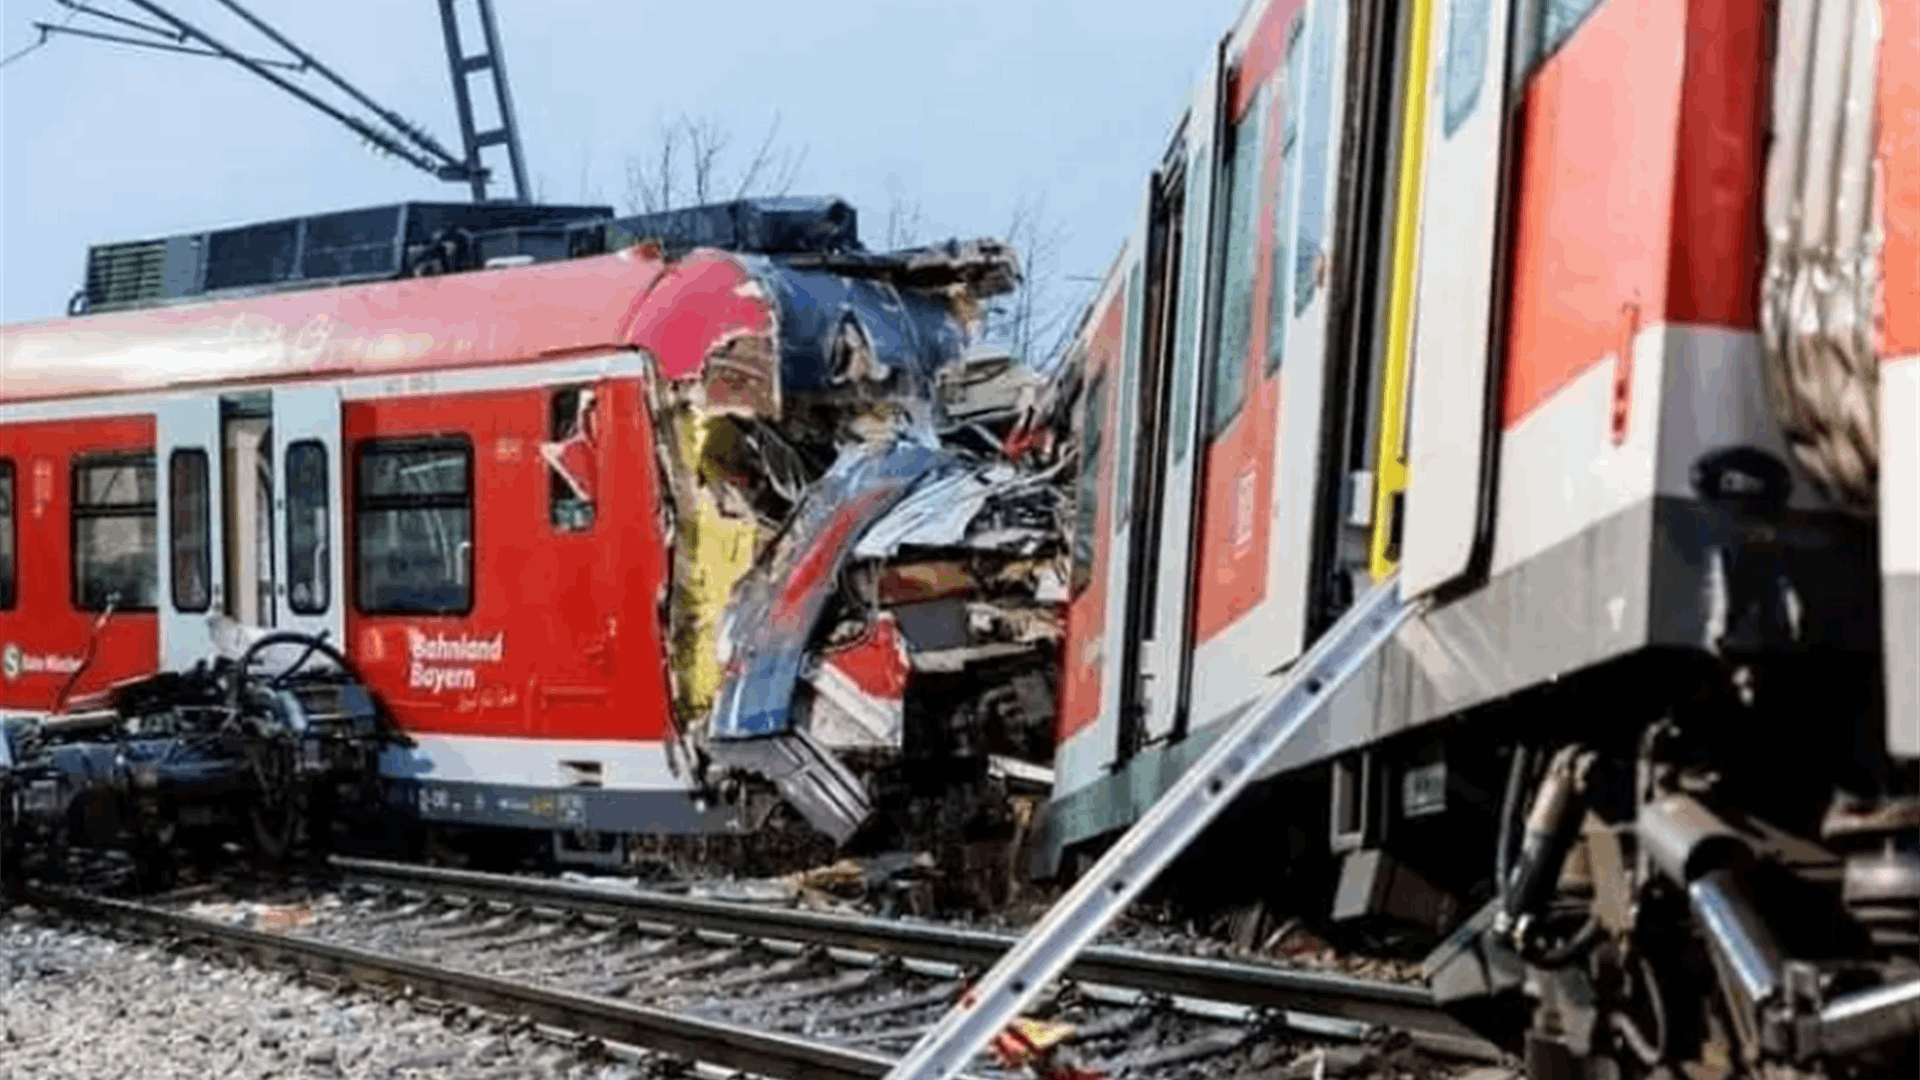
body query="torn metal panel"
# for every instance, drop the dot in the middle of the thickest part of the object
(742, 375)
(937, 514)
(773, 618)
(992, 507)
(988, 386)
(916, 582)
(713, 550)
(808, 776)
(983, 268)
(860, 689)
(842, 336)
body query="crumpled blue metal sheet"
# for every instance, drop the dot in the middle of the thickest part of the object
(777, 605)
(912, 334)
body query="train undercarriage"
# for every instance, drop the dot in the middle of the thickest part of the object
(186, 767)
(1713, 892)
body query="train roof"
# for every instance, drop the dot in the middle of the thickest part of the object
(506, 315)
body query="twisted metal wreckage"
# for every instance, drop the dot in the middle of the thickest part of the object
(870, 559)
(865, 521)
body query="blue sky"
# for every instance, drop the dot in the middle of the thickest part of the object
(965, 109)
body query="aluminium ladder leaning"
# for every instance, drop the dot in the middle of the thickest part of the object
(1157, 838)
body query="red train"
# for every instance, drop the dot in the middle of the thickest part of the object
(514, 498)
(1593, 326)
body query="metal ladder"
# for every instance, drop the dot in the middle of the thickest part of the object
(1157, 838)
(464, 68)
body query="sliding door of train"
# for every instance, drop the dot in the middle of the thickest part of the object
(250, 506)
(1273, 346)
(307, 529)
(1159, 608)
(1436, 452)
(192, 527)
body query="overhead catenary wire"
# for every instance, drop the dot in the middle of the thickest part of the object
(405, 140)
(96, 35)
(84, 9)
(353, 123)
(399, 123)
(18, 53)
(44, 35)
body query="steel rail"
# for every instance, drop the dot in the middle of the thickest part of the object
(1395, 1006)
(727, 1045)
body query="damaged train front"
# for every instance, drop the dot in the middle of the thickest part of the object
(867, 554)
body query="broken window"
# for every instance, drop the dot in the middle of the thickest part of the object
(7, 538)
(309, 563)
(1238, 264)
(572, 457)
(189, 531)
(116, 542)
(413, 526)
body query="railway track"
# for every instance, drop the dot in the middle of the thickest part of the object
(777, 992)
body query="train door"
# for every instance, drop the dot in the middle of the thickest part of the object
(193, 573)
(1159, 615)
(1133, 385)
(1364, 331)
(1165, 216)
(307, 527)
(1309, 232)
(246, 506)
(1449, 414)
(250, 504)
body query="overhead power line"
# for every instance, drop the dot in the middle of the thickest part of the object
(387, 129)
(49, 28)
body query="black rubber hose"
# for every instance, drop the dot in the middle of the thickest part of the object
(1509, 810)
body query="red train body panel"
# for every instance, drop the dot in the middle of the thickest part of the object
(48, 637)
(491, 487)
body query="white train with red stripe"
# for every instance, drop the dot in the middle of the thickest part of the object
(1596, 323)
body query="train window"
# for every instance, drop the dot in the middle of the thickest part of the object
(1235, 329)
(571, 456)
(1467, 25)
(413, 526)
(1086, 503)
(6, 536)
(1316, 136)
(309, 563)
(1129, 391)
(116, 541)
(1558, 20)
(1278, 290)
(189, 530)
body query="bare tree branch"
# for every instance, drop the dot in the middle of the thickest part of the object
(589, 191)
(1034, 322)
(705, 143)
(689, 165)
(904, 223)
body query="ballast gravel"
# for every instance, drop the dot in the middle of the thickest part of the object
(76, 1005)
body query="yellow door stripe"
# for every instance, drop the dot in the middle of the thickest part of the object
(1390, 468)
